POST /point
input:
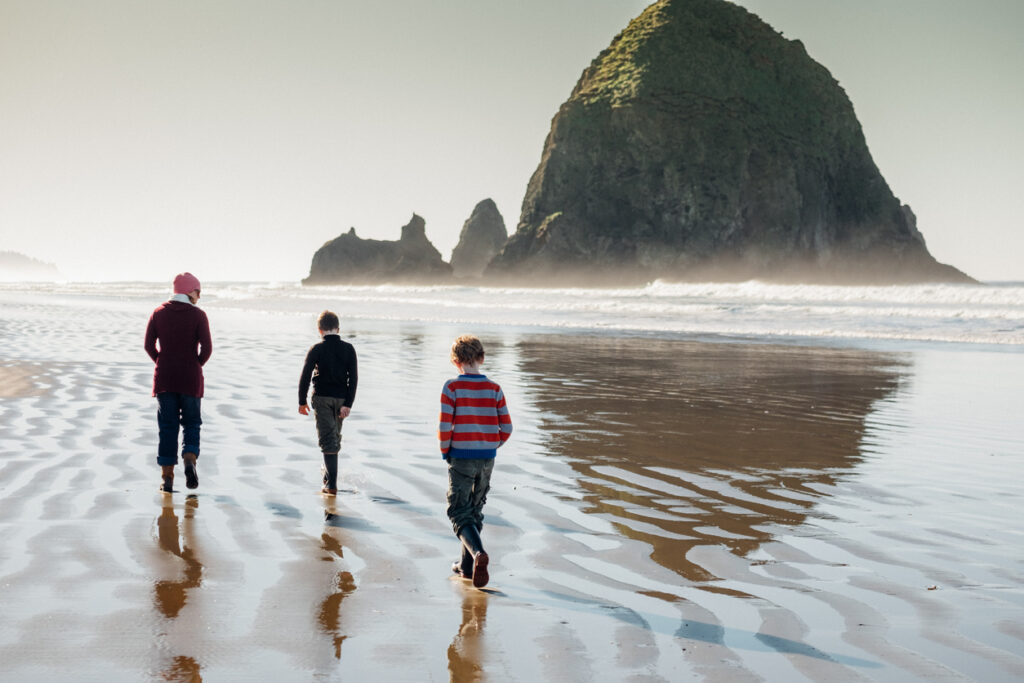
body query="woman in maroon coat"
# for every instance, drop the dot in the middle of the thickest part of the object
(178, 341)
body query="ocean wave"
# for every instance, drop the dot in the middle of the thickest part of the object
(971, 314)
(1011, 294)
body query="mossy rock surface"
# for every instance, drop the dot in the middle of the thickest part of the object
(703, 144)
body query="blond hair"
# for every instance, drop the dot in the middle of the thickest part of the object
(467, 349)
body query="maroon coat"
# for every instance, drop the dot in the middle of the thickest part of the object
(184, 335)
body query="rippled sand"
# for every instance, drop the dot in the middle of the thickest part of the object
(666, 510)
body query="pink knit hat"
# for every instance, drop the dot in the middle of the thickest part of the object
(185, 283)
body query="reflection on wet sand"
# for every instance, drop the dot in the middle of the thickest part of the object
(685, 445)
(183, 669)
(808, 542)
(466, 653)
(170, 596)
(329, 615)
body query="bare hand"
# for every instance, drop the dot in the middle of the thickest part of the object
(343, 412)
(303, 410)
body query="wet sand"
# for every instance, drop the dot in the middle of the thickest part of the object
(20, 379)
(666, 510)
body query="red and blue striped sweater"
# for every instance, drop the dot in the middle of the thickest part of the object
(474, 418)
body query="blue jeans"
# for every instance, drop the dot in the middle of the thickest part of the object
(177, 409)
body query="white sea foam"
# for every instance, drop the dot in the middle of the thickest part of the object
(979, 314)
(973, 314)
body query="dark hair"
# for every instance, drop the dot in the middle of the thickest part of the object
(328, 321)
(467, 349)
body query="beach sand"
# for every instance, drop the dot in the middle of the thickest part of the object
(20, 379)
(665, 510)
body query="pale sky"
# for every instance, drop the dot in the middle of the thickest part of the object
(232, 138)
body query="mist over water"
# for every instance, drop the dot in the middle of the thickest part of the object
(971, 314)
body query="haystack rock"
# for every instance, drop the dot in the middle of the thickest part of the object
(701, 144)
(483, 235)
(349, 259)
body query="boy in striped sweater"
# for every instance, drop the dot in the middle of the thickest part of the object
(474, 423)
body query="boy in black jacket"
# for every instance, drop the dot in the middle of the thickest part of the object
(331, 365)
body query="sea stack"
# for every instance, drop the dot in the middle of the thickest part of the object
(701, 144)
(483, 235)
(350, 259)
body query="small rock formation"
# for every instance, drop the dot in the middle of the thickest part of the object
(483, 235)
(350, 259)
(15, 267)
(701, 144)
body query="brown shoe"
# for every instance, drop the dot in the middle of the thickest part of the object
(458, 571)
(480, 576)
(167, 473)
(329, 491)
(191, 475)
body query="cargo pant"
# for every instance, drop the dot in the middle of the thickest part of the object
(328, 431)
(469, 480)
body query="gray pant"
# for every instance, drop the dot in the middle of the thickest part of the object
(328, 431)
(469, 480)
(328, 424)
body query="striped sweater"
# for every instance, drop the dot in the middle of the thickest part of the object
(474, 418)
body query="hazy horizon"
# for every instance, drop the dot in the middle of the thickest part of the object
(233, 139)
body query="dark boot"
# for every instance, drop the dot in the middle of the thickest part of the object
(330, 474)
(470, 537)
(167, 472)
(464, 567)
(191, 475)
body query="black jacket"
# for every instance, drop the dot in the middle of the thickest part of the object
(332, 366)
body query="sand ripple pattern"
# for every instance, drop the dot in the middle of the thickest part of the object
(665, 511)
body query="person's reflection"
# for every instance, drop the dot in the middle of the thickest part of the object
(183, 669)
(170, 596)
(465, 654)
(329, 616)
